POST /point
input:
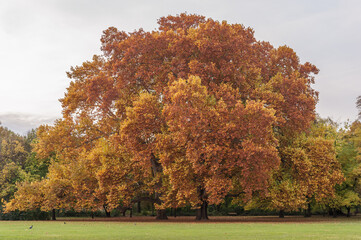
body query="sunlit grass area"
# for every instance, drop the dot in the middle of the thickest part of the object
(177, 230)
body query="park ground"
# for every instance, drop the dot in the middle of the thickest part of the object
(185, 228)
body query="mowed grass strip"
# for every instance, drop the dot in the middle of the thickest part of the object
(122, 230)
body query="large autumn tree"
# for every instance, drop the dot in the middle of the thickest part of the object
(193, 111)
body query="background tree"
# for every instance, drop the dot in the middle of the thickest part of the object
(12, 162)
(348, 155)
(309, 171)
(18, 163)
(358, 105)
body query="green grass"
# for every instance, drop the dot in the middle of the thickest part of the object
(154, 230)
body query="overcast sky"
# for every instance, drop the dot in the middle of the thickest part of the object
(40, 40)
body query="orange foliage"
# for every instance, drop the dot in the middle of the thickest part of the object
(189, 112)
(216, 142)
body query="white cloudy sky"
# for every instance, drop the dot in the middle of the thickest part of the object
(41, 39)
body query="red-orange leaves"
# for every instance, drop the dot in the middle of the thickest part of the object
(182, 21)
(259, 147)
(140, 129)
(220, 140)
(290, 96)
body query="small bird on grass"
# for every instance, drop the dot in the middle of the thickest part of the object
(64, 222)
(31, 227)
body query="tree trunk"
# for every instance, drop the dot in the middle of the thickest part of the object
(139, 207)
(53, 216)
(308, 211)
(334, 212)
(161, 214)
(107, 213)
(157, 168)
(124, 211)
(202, 212)
(348, 212)
(131, 213)
(281, 214)
(330, 211)
(92, 215)
(175, 212)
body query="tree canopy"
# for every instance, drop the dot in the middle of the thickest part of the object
(186, 114)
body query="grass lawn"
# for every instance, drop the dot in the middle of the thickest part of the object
(350, 229)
